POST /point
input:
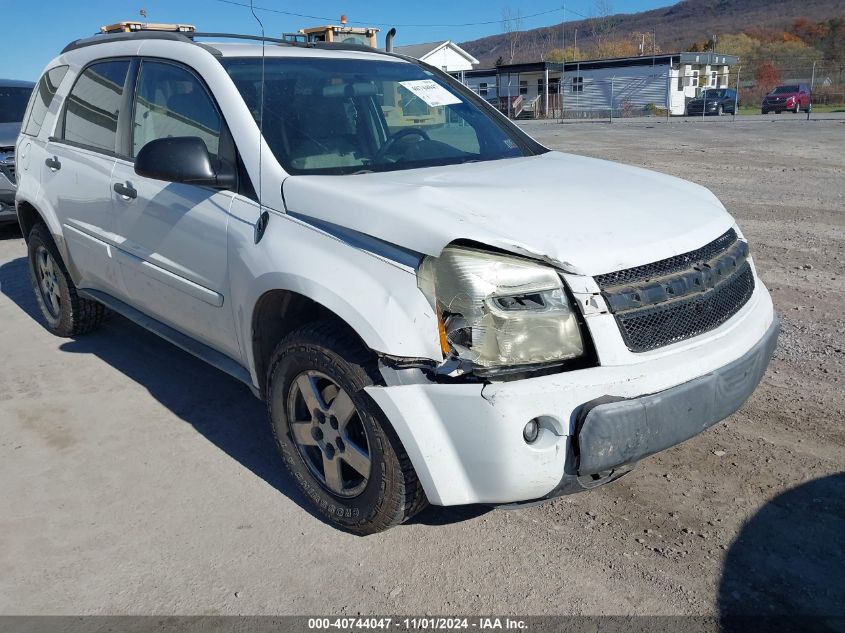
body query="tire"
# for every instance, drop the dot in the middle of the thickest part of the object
(764, 112)
(321, 417)
(66, 314)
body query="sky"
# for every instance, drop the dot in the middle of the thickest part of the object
(34, 31)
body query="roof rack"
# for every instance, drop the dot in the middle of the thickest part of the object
(128, 26)
(189, 37)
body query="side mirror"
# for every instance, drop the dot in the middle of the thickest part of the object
(183, 159)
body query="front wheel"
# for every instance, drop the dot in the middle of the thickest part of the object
(335, 442)
(65, 312)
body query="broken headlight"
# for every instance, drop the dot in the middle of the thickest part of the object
(498, 311)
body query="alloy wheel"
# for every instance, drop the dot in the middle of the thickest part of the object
(48, 281)
(329, 434)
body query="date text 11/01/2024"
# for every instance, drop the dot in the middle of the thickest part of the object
(425, 624)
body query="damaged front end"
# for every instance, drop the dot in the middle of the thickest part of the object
(501, 315)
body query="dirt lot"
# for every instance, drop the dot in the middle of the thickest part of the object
(137, 480)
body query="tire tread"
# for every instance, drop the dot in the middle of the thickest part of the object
(343, 342)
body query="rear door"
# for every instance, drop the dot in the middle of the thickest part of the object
(76, 175)
(173, 243)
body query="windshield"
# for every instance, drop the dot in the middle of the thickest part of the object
(346, 116)
(785, 90)
(13, 102)
(716, 93)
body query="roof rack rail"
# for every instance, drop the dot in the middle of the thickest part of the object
(105, 38)
(189, 37)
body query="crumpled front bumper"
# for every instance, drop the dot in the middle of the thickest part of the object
(465, 440)
(614, 433)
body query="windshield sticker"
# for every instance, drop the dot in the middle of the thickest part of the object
(431, 92)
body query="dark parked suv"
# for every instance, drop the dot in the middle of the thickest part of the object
(716, 101)
(14, 95)
(794, 97)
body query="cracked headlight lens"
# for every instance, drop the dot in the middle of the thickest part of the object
(499, 311)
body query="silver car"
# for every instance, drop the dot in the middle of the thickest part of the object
(14, 96)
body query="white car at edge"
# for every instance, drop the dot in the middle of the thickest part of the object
(436, 308)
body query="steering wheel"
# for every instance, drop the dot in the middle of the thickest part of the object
(408, 131)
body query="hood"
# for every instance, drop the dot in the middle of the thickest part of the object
(9, 134)
(584, 215)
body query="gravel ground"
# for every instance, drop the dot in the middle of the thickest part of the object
(137, 480)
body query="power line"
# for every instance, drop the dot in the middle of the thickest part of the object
(317, 17)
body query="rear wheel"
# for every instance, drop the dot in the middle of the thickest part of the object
(335, 442)
(65, 312)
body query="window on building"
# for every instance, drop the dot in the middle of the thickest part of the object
(681, 79)
(523, 87)
(554, 85)
(577, 84)
(171, 101)
(482, 89)
(93, 105)
(693, 80)
(714, 79)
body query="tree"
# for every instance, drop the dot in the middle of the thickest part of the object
(644, 43)
(767, 77)
(602, 25)
(569, 54)
(512, 27)
(740, 45)
(615, 48)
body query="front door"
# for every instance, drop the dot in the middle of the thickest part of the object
(172, 236)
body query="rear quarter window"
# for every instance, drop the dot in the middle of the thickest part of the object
(42, 97)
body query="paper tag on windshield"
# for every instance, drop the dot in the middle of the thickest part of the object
(431, 92)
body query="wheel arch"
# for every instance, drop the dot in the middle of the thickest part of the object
(276, 314)
(28, 216)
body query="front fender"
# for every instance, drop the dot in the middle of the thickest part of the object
(376, 297)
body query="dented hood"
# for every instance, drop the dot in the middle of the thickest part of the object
(584, 215)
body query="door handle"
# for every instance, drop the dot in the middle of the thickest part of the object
(125, 190)
(53, 163)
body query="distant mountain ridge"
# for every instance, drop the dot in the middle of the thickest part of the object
(676, 27)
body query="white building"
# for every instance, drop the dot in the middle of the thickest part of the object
(601, 84)
(446, 56)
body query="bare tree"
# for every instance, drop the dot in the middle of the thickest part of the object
(545, 42)
(601, 25)
(512, 28)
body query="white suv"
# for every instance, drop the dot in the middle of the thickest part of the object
(435, 307)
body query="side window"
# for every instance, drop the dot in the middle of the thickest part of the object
(43, 97)
(171, 101)
(93, 105)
